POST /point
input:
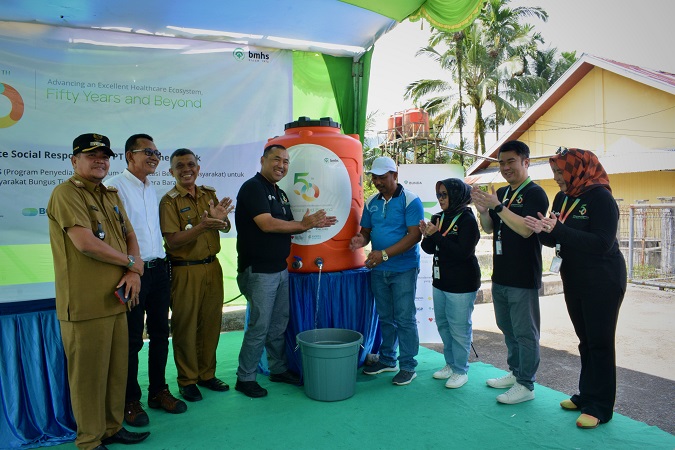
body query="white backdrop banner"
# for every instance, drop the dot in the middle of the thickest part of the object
(220, 100)
(421, 179)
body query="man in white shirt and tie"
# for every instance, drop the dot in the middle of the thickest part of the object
(142, 206)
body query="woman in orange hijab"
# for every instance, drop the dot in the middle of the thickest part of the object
(582, 227)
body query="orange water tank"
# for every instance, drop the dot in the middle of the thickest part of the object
(415, 123)
(325, 172)
(394, 126)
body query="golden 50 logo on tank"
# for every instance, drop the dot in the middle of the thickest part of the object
(308, 191)
(311, 166)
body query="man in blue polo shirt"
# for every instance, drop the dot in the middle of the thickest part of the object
(390, 221)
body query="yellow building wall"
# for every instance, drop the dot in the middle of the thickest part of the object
(608, 113)
(630, 187)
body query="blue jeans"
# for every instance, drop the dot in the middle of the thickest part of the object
(517, 315)
(268, 298)
(453, 320)
(395, 303)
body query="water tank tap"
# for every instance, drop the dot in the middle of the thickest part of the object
(297, 264)
(319, 262)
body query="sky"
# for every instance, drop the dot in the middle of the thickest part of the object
(638, 33)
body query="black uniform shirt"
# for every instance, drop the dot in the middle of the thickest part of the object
(264, 252)
(519, 265)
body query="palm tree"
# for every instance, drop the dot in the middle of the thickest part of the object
(452, 59)
(463, 58)
(509, 43)
(473, 87)
(549, 67)
(489, 63)
(370, 153)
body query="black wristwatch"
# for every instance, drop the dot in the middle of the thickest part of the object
(498, 208)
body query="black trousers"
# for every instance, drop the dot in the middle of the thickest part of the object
(154, 301)
(594, 311)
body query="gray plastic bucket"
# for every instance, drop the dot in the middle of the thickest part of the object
(330, 358)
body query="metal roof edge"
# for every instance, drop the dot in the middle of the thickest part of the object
(568, 80)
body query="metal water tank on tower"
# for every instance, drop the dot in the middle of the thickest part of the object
(395, 126)
(415, 123)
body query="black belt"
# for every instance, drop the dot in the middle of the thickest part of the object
(210, 259)
(153, 263)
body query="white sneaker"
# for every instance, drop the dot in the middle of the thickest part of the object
(444, 373)
(456, 380)
(517, 394)
(506, 381)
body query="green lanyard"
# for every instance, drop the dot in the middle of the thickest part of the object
(563, 217)
(440, 223)
(515, 194)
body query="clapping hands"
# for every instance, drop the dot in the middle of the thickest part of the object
(542, 224)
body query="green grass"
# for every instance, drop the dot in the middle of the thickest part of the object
(645, 272)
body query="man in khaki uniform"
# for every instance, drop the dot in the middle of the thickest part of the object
(95, 252)
(191, 217)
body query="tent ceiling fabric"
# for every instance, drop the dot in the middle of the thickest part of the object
(333, 27)
(448, 15)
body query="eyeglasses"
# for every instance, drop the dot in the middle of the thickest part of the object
(148, 152)
(562, 151)
(441, 195)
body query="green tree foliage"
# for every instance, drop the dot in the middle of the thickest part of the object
(369, 154)
(496, 71)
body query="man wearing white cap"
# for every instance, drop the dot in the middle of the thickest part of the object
(390, 222)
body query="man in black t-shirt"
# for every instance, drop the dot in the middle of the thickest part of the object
(264, 227)
(516, 274)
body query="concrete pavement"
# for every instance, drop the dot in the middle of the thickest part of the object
(644, 352)
(644, 337)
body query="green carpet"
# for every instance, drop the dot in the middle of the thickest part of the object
(422, 415)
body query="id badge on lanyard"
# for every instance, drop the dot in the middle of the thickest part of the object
(437, 270)
(556, 262)
(498, 242)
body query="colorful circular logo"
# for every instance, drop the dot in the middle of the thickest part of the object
(17, 106)
(308, 191)
(311, 166)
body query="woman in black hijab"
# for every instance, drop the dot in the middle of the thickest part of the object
(451, 237)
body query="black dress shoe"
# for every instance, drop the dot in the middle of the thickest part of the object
(101, 447)
(190, 393)
(285, 377)
(250, 388)
(214, 384)
(126, 437)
